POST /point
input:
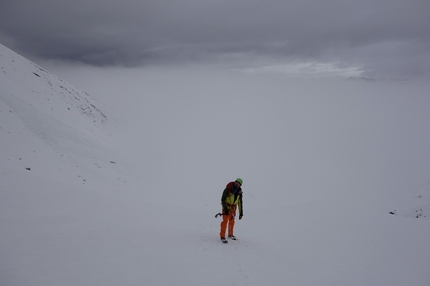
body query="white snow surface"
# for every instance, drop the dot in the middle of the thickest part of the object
(123, 190)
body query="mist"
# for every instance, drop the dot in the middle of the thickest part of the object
(113, 175)
(299, 135)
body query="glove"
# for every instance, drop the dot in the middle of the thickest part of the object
(226, 212)
(240, 216)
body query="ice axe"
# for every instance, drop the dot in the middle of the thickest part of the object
(220, 214)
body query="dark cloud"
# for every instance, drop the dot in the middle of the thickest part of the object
(382, 36)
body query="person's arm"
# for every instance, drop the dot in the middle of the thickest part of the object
(240, 207)
(223, 202)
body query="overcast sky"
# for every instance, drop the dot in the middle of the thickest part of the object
(380, 37)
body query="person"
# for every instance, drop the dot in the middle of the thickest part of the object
(231, 198)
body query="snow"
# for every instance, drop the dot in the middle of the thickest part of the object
(121, 187)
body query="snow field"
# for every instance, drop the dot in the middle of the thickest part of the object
(129, 197)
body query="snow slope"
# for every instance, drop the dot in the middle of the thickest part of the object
(86, 200)
(46, 121)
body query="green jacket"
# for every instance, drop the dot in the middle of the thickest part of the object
(232, 196)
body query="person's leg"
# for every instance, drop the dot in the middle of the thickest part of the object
(231, 223)
(223, 226)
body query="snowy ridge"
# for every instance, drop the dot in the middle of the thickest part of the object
(49, 94)
(45, 122)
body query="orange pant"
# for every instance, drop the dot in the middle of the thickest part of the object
(227, 220)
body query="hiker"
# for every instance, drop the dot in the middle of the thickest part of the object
(231, 198)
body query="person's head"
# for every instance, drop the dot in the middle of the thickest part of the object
(238, 182)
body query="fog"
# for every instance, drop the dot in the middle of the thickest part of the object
(283, 133)
(121, 186)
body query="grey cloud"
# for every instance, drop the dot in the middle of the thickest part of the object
(139, 32)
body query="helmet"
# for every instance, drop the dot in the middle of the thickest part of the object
(239, 180)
